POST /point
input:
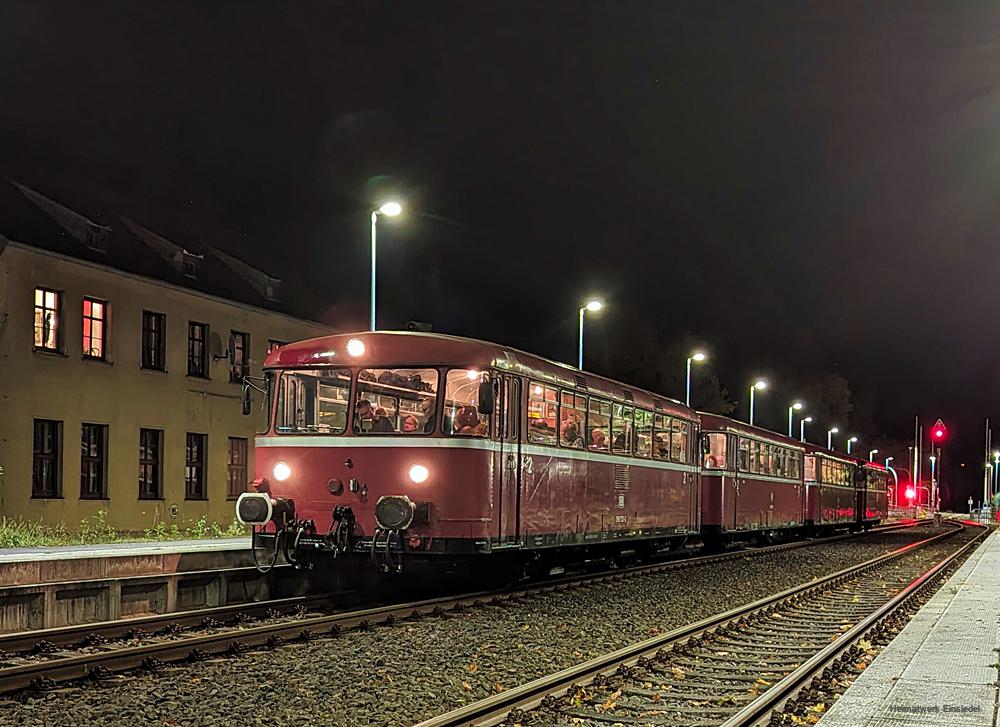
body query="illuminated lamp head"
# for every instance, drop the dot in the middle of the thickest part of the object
(355, 347)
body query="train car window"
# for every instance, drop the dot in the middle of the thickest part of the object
(754, 457)
(679, 439)
(661, 437)
(462, 417)
(621, 429)
(744, 455)
(599, 425)
(780, 453)
(716, 454)
(810, 468)
(543, 411)
(572, 419)
(312, 401)
(794, 468)
(396, 401)
(643, 433)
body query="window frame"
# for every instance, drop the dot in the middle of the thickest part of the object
(604, 409)
(234, 468)
(356, 395)
(53, 458)
(195, 483)
(153, 358)
(100, 459)
(442, 398)
(618, 414)
(102, 320)
(237, 376)
(155, 464)
(578, 405)
(635, 432)
(57, 313)
(202, 358)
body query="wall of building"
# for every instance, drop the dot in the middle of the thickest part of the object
(70, 388)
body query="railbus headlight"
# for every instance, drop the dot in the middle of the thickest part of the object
(419, 473)
(281, 471)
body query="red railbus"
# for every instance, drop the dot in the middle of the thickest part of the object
(415, 444)
(751, 479)
(831, 490)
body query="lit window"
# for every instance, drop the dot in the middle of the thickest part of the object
(95, 328)
(48, 313)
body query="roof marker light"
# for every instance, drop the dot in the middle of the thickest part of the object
(355, 347)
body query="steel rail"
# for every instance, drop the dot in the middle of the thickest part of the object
(495, 709)
(44, 671)
(760, 709)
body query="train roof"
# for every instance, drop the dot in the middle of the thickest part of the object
(417, 348)
(824, 452)
(719, 422)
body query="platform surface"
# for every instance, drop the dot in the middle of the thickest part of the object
(117, 550)
(942, 667)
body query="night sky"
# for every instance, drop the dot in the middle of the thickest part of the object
(808, 188)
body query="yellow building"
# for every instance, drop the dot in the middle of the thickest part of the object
(121, 360)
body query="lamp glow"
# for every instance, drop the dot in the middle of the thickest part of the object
(281, 471)
(419, 473)
(760, 384)
(698, 356)
(391, 209)
(594, 305)
(797, 405)
(355, 347)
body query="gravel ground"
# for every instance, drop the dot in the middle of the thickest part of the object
(401, 674)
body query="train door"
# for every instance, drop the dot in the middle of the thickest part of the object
(510, 464)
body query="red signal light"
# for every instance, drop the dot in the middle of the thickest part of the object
(939, 431)
(910, 493)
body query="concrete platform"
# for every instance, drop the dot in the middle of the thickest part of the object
(942, 667)
(69, 585)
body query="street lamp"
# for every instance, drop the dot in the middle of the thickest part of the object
(996, 471)
(851, 441)
(797, 406)
(829, 437)
(887, 461)
(697, 357)
(389, 209)
(871, 454)
(592, 306)
(802, 428)
(761, 385)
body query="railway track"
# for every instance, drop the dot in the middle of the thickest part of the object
(40, 659)
(737, 668)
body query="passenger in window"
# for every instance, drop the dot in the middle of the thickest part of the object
(427, 409)
(711, 462)
(468, 421)
(365, 419)
(569, 436)
(598, 440)
(410, 424)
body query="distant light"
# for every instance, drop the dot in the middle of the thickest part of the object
(698, 356)
(594, 305)
(834, 430)
(853, 439)
(355, 347)
(472, 374)
(760, 384)
(538, 391)
(939, 433)
(807, 419)
(910, 493)
(797, 405)
(391, 209)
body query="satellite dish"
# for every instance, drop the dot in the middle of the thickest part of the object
(215, 347)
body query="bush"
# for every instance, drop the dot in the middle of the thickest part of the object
(17, 533)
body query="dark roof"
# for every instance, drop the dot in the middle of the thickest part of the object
(90, 231)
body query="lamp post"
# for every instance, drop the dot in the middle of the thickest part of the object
(996, 471)
(697, 357)
(871, 454)
(796, 406)
(851, 441)
(760, 384)
(829, 437)
(802, 428)
(930, 504)
(592, 306)
(389, 209)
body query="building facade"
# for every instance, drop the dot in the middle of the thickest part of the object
(121, 392)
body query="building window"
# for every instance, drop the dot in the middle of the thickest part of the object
(197, 349)
(45, 472)
(154, 352)
(93, 462)
(150, 464)
(194, 467)
(48, 319)
(239, 356)
(273, 346)
(237, 466)
(95, 327)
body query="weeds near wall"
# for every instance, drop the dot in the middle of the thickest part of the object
(18, 533)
